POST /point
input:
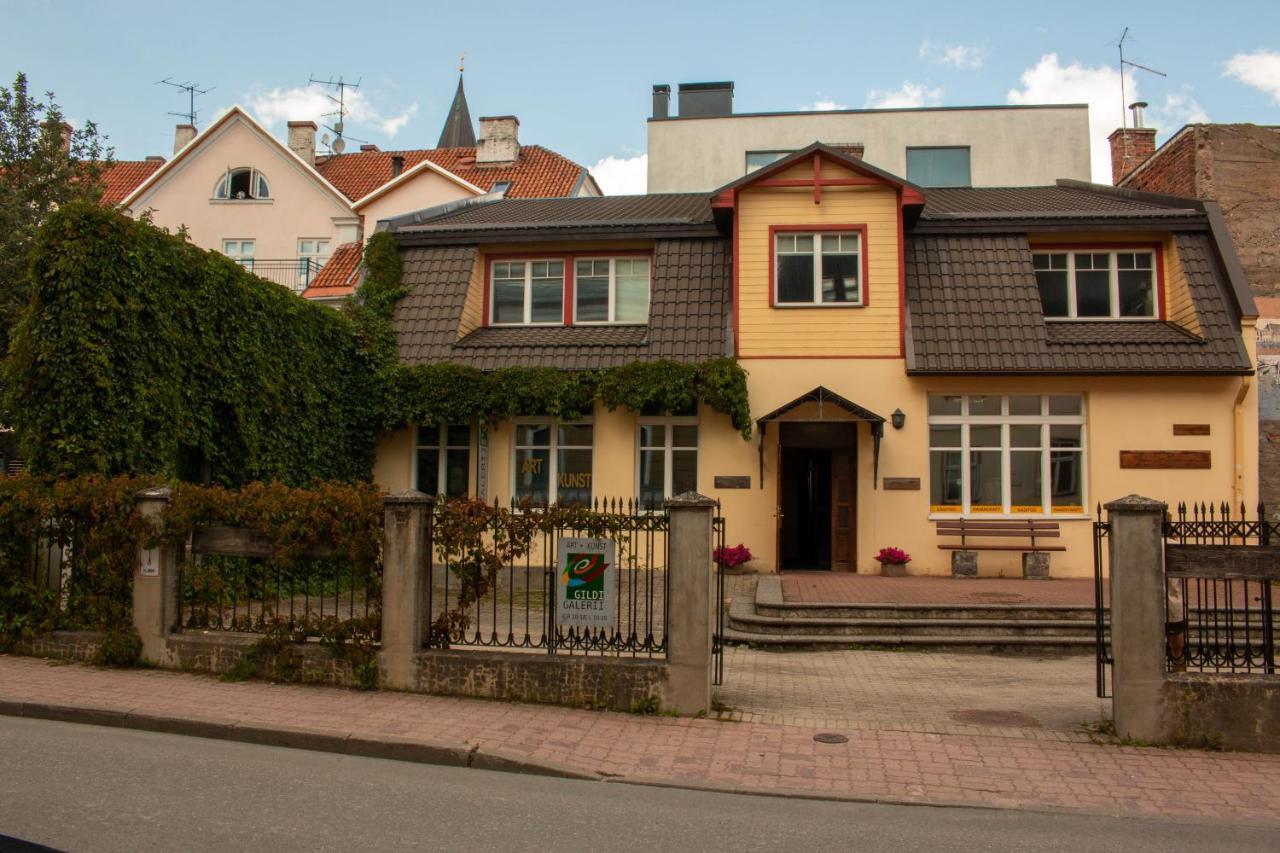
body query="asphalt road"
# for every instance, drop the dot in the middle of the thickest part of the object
(75, 787)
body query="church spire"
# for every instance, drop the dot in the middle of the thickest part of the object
(458, 132)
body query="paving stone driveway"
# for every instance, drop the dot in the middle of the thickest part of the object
(1030, 697)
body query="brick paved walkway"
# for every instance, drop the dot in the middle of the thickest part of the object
(749, 757)
(845, 588)
(1042, 698)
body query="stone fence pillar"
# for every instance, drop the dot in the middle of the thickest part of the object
(1137, 617)
(405, 585)
(691, 603)
(155, 582)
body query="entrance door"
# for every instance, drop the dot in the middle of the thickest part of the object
(816, 496)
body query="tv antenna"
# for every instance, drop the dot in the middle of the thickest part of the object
(192, 89)
(1125, 63)
(341, 86)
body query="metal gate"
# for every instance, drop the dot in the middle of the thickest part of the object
(1102, 604)
(717, 637)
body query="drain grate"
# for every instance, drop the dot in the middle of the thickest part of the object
(830, 737)
(985, 717)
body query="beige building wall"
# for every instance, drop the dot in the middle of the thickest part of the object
(693, 154)
(298, 209)
(426, 188)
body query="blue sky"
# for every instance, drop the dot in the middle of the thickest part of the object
(579, 75)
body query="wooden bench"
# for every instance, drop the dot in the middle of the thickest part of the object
(1010, 528)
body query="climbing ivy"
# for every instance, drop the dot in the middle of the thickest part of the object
(142, 354)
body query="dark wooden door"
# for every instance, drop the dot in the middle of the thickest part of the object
(843, 509)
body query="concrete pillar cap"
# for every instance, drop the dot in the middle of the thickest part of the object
(1136, 503)
(161, 493)
(408, 496)
(689, 500)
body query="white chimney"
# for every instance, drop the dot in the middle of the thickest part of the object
(302, 140)
(499, 140)
(183, 134)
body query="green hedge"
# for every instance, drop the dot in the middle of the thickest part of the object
(143, 354)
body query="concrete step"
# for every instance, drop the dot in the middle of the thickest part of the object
(965, 612)
(757, 623)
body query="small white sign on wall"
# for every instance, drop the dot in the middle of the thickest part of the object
(149, 563)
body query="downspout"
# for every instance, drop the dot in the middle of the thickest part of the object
(1238, 423)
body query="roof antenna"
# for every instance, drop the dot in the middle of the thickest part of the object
(192, 89)
(1123, 64)
(341, 86)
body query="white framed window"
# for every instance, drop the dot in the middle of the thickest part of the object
(442, 460)
(240, 251)
(1011, 455)
(313, 253)
(666, 459)
(611, 290)
(818, 269)
(553, 462)
(1096, 285)
(242, 184)
(760, 159)
(525, 293)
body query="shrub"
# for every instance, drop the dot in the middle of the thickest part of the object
(893, 557)
(733, 557)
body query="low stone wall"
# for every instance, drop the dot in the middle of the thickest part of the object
(1223, 711)
(608, 683)
(63, 645)
(217, 653)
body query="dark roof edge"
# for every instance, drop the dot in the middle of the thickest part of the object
(1191, 222)
(545, 235)
(430, 214)
(1243, 371)
(1226, 250)
(1177, 202)
(874, 110)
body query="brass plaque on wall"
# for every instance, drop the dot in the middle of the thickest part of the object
(901, 484)
(723, 482)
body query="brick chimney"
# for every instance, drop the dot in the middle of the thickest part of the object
(499, 140)
(183, 134)
(1131, 146)
(302, 140)
(49, 128)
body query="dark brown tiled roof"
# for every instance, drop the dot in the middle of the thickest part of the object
(973, 307)
(1057, 202)
(688, 315)
(679, 210)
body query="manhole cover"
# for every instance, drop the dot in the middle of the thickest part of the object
(830, 737)
(983, 717)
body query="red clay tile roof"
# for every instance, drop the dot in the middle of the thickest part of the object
(538, 173)
(124, 176)
(339, 276)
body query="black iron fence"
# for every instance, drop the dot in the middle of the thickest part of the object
(494, 577)
(297, 274)
(1102, 605)
(228, 582)
(1222, 571)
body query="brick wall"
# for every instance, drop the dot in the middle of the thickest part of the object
(1173, 170)
(1242, 173)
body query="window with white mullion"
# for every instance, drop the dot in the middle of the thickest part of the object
(818, 269)
(611, 290)
(527, 293)
(667, 459)
(1097, 285)
(1016, 455)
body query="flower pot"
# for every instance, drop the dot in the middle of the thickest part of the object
(893, 570)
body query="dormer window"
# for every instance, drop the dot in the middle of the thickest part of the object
(1097, 285)
(818, 269)
(242, 184)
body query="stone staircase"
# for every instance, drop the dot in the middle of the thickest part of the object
(765, 620)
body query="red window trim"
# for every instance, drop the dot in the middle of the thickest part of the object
(569, 268)
(864, 285)
(1157, 249)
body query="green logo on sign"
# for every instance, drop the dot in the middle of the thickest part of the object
(584, 575)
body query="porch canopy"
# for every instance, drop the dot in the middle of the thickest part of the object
(824, 397)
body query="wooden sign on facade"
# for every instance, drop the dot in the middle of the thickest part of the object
(1258, 562)
(901, 484)
(1190, 429)
(1166, 459)
(727, 482)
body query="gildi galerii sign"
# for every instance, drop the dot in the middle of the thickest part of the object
(586, 583)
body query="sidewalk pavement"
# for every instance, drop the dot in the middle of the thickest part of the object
(747, 757)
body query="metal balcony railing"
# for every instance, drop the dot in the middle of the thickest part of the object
(293, 273)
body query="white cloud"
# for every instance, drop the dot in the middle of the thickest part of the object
(955, 55)
(622, 175)
(274, 107)
(908, 95)
(1259, 70)
(1051, 82)
(823, 104)
(1179, 108)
